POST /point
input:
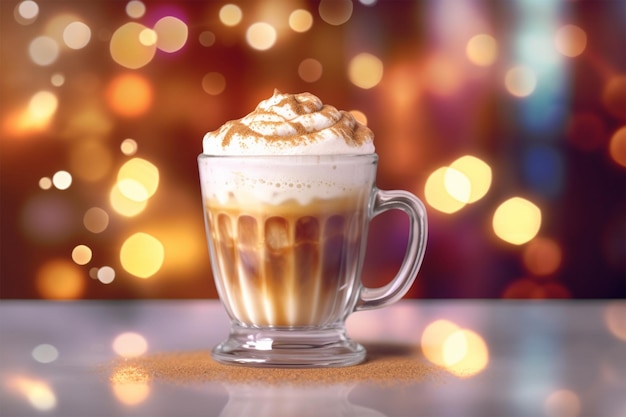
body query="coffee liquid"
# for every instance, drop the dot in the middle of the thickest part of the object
(288, 265)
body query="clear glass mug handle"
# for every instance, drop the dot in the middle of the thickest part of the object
(383, 200)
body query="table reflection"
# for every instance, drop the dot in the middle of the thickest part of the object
(284, 400)
(430, 358)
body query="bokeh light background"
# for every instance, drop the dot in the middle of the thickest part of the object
(508, 118)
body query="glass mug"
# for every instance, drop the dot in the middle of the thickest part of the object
(287, 237)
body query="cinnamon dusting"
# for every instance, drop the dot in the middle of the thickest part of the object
(343, 125)
(385, 365)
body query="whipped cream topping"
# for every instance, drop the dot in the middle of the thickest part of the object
(291, 124)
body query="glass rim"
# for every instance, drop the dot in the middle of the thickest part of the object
(318, 158)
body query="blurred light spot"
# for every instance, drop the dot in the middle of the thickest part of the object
(457, 185)
(28, 9)
(570, 40)
(525, 288)
(617, 146)
(56, 25)
(133, 189)
(129, 95)
(81, 254)
(368, 2)
(433, 339)
(57, 79)
(43, 105)
(43, 50)
(126, 48)
(562, 403)
(230, 15)
(171, 34)
(454, 348)
(477, 172)
(542, 256)
(300, 20)
(465, 353)
(130, 384)
(535, 46)
(105, 274)
(517, 221)
(45, 183)
(130, 345)
(148, 37)
(443, 76)
(35, 117)
(96, 220)
(310, 70)
(213, 83)
(90, 159)
(261, 36)
(544, 169)
(17, 122)
(39, 394)
(206, 38)
(359, 116)
(520, 81)
(48, 218)
(60, 279)
(129, 146)
(142, 255)
(76, 35)
(615, 319)
(181, 245)
(124, 205)
(93, 273)
(482, 50)
(138, 179)
(614, 96)
(135, 9)
(436, 192)
(62, 180)
(335, 12)
(45, 353)
(365, 70)
(26, 12)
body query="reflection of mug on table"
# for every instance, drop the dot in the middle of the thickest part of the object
(289, 401)
(287, 233)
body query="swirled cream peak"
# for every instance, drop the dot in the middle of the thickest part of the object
(291, 124)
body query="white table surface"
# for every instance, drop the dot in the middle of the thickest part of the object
(545, 358)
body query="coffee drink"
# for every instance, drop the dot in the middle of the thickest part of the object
(285, 253)
(288, 265)
(286, 239)
(288, 193)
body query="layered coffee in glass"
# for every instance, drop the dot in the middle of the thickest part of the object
(288, 194)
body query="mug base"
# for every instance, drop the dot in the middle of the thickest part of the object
(289, 348)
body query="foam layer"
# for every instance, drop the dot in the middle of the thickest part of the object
(270, 180)
(291, 124)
